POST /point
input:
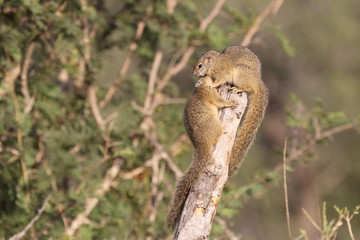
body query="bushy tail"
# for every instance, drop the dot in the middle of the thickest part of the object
(248, 128)
(184, 185)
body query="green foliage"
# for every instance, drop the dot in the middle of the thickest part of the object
(58, 147)
(315, 118)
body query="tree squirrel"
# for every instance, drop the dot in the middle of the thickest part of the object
(204, 129)
(240, 67)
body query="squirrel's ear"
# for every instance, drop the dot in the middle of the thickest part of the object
(208, 57)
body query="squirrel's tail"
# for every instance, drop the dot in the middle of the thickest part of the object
(183, 187)
(256, 110)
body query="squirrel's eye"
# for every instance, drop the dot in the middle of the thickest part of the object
(200, 65)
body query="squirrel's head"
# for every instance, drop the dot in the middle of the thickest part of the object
(205, 61)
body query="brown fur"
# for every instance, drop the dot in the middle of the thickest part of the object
(240, 67)
(204, 129)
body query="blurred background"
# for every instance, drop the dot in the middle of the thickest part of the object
(92, 95)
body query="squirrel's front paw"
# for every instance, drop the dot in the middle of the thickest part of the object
(235, 90)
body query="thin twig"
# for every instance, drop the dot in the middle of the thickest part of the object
(285, 191)
(311, 219)
(171, 164)
(272, 8)
(95, 108)
(136, 171)
(160, 149)
(152, 78)
(24, 78)
(214, 12)
(31, 223)
(175, 69)
(347, 219)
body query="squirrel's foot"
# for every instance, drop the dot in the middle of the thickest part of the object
(235, 90)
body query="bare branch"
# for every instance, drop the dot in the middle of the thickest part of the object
(311, 220)
(171, 165)
(285, 191)
(272, 8)
(152, 78)
(24, 78)
(11, 76)
(159, 149)
(136, 171)
(95, 108)
(21, 234)
(137, 107)
(214, 12)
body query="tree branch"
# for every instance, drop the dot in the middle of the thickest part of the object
(95, 108)
(21, 234)
(272, 8)
(203, 198)
(286, 192)
(152, 78)
(214, 12)
(24, 78)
